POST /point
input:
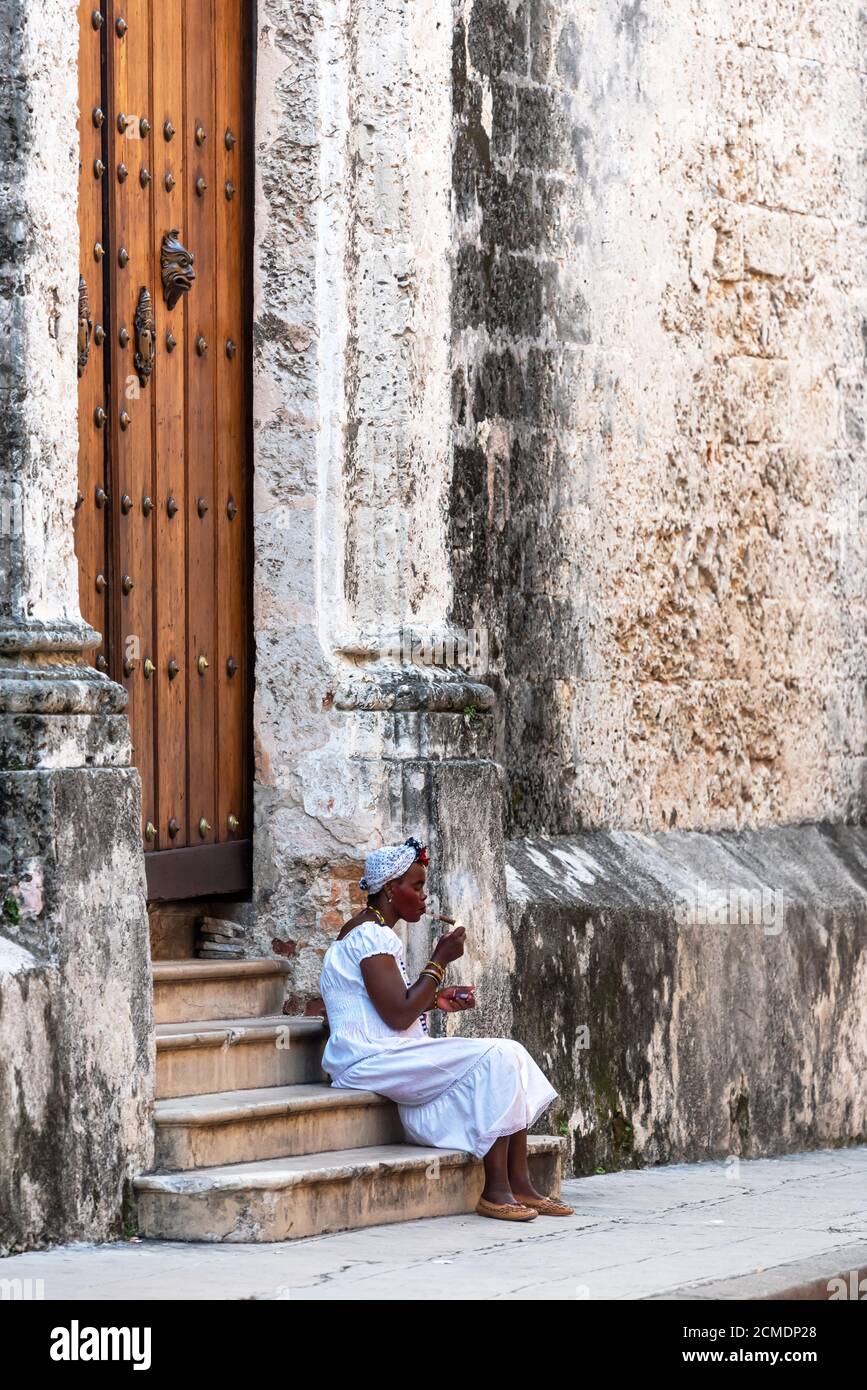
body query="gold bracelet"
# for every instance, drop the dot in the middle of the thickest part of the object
(438, 984)
(434, 965)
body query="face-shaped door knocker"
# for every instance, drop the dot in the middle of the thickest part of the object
(84, 325)
(176, 263)
(145, 337)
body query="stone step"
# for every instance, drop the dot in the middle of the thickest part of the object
(237, 1054)
(308, 1195)
(189, 991)
(272, 1122)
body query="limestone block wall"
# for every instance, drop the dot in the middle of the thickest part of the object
(659, 328)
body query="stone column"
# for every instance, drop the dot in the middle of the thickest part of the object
(76, 1037)
(367, 716)
(419, 720)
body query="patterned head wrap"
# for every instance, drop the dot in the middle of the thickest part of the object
(382, 865)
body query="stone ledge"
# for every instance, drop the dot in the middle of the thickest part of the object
(405, 690)
(622, 871)
(694, 995)
(58, 688)
(59, 635)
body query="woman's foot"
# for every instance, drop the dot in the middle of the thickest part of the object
(501, 1196)
(522, 1190)
(526, 1193)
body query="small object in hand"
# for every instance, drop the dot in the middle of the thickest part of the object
(450, 920)
(463, 994)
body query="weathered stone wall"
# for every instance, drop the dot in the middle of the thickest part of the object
(691, 996)
(77, 1060)
(659, 352)
(76, 1038)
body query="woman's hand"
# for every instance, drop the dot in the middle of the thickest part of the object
(446, 1000)
(450, 946)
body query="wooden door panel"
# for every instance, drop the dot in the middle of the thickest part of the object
(233, 160)
(130, 270)
(172, 538)
(199, 357)
(170, 486)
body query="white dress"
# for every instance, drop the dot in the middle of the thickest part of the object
(452, 1093)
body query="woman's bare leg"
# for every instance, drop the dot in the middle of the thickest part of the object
(516, 1166)
(497, 1187)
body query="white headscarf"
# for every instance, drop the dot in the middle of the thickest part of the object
(382, 865)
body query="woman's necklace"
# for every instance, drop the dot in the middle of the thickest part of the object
(379, 917)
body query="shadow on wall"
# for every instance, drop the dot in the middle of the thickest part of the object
(519, 320)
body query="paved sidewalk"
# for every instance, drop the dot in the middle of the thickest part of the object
(742, 1229)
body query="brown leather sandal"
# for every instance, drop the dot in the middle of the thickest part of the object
(547, 1206)
(505, 1211)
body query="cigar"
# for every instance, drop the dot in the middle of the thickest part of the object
(451, 920)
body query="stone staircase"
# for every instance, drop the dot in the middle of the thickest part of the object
(252, 1141)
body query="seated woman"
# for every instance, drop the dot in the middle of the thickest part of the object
(476, 1094)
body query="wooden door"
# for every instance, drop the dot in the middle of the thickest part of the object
(162, 523)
